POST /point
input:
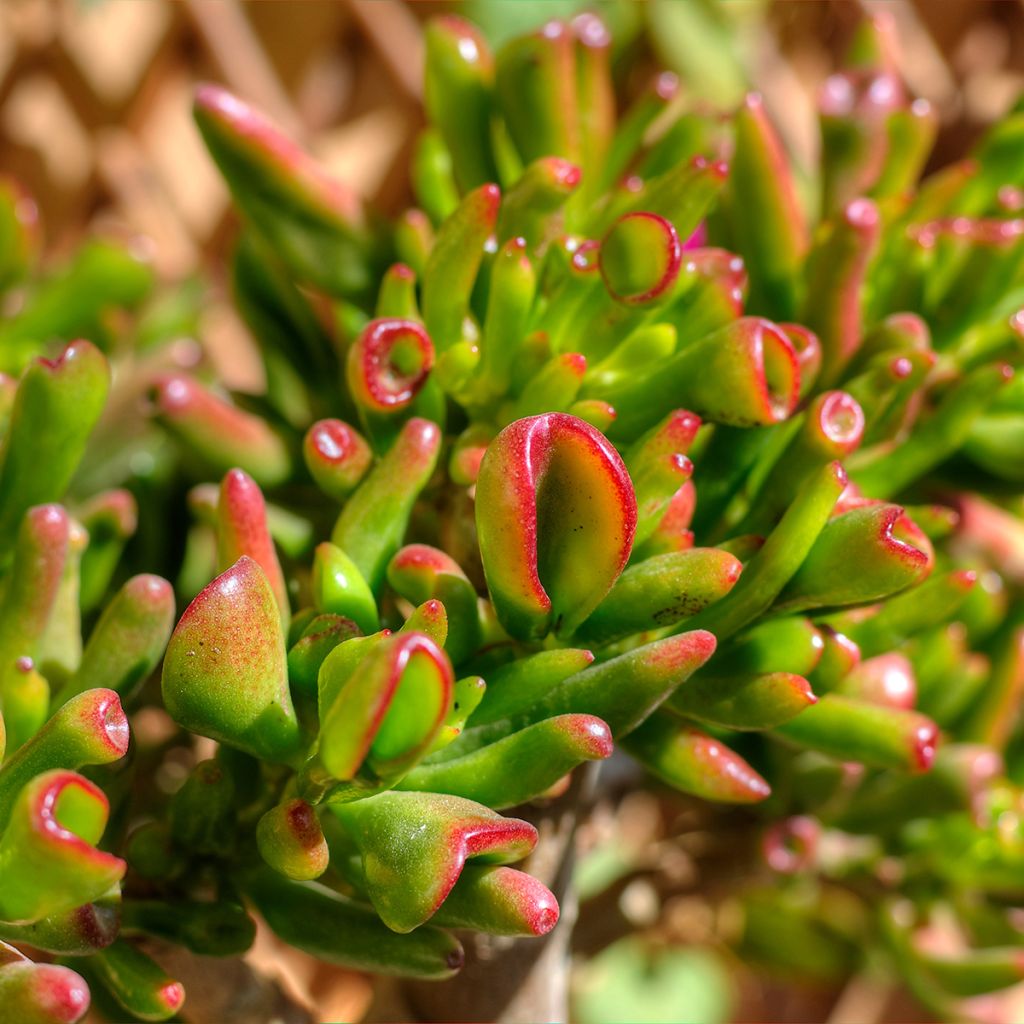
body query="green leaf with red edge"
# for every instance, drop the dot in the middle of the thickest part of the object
(225, 673)
(694, 762)
(219, 433)
(518, 767)
(389, 711)
(556, 515)
(89, 729)
(242, 530)
(48, 858)
(314, 223)
(414, 847)
(41, 994)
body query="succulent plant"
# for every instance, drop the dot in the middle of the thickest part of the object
(607, 444)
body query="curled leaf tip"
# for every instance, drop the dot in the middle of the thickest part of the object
(640, 258)
(841, 420)
(389, 363)
(553, 497)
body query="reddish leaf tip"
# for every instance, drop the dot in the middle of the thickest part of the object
(575, 363)
(563, 172)
(666, 85)
(111, 721)
(491, 199)
(389, 363)
(842, 420)
(789, 846)
(150, 589)
(172, 995)
(60, 992)
(591, 30)
(592, 734)
(861, 215)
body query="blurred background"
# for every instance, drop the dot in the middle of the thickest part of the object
(95, 121)
(95, 94)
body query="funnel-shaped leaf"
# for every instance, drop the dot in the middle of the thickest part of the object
(89, 729)
(831, 428)
(622, 691)
(854, 730)
(509, 305)
(453, 263)
(459, 81)
(308, 653)
(388, 364)
(110, 518)
(640, 258)
(937, 437)
(839, 656)
(390, 709)
(77, 932)
(536, 86)
(26, 704)
(786, 547)
(60, 647)
(744, 701)
(225, 673)
(556, 516)
(514, 687)
(836, 271)
(202, 814)
(682, 194)
(48, 858)
(791, 644)
(531, 210)
(414, 846)
(888, 550)
(887, 680)
(745, 374)
(339, 588)
(768, 224)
